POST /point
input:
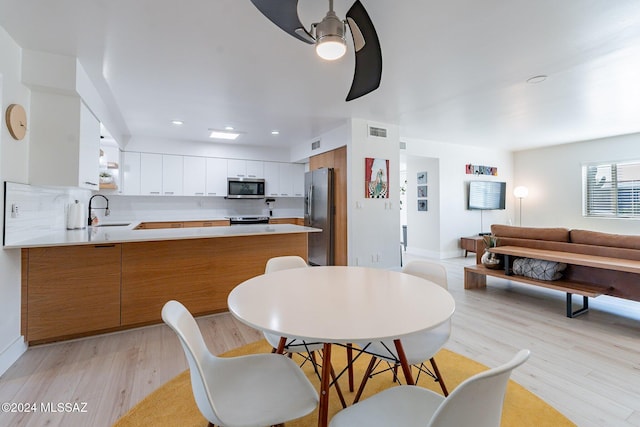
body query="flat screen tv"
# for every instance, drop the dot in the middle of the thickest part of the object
(486, 195)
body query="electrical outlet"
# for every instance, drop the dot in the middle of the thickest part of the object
(15, 212)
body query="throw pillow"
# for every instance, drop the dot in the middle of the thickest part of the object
(538, 269)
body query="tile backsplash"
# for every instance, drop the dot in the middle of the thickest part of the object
(33, 211)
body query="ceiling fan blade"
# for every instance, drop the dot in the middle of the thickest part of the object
(368, 70)
(284, 13)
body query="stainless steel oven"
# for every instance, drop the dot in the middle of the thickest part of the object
(237, 220)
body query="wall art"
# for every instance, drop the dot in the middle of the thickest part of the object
(376, 178)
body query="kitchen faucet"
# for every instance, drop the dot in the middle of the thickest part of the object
(106, 209)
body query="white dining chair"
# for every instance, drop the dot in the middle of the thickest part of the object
(256, 390)
(292, 345)
(418, 347)
(476, 402)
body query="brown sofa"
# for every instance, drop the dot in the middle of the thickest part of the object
(612, 282)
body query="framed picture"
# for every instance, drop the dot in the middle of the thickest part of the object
(422, 191)
(422, 206)
(421, 178)
(376, 178)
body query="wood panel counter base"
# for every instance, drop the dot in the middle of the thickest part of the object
(74, 291)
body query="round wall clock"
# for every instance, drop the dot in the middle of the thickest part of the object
(16, 119)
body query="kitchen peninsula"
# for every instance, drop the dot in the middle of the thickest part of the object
(100, 279)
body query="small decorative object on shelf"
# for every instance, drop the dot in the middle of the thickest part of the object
(491, 260)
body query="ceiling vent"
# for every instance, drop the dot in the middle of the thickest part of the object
(377, 132)
(315, 145)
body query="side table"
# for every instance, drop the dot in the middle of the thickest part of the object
(473, 244)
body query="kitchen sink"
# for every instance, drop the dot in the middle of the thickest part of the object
(114, 224)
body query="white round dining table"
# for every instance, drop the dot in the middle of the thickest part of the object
(341, 304)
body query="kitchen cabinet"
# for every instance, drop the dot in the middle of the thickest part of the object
(70, 290)
(245, 168)
(294, 221)
(216, 179)
(131, 173)
(200, 273)
(172, 175)
(74, 291)
(272, 179)
(64, 142)
(150, 174)
(195, 176)
(181, 224)
(297, 178)
(284, 179)
(160, 224)
(212, 223)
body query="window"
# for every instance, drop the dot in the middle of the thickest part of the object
(612, 189)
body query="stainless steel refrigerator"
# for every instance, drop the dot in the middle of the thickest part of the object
(318, 213)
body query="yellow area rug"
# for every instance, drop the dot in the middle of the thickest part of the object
(173, 404)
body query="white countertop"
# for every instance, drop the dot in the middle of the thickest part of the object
(123, 234)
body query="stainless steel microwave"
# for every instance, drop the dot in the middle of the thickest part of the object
(245, 188)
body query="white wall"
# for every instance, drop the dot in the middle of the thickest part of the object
(336, 138)
(373, 224)
(455, 220)
(13, 167)
(553, 176)
(423, 228)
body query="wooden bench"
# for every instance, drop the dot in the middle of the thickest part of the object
(475, 276)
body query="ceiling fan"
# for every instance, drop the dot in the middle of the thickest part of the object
(329, 37)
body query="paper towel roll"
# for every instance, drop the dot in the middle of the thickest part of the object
(75, 216)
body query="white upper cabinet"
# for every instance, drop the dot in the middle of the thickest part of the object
(297, 177)
(195, 176)
(64, 138)
(131, 173)
(255, 169)
(284, 179)
(245, 168)
(216, 184)
(172, 175)
(272, 179)
(175, 175)
(88, 149)
(150, 174)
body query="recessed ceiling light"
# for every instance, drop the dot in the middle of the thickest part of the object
(177, 122)
(275, 132)
(537, 79)
(218, 134)
(228, 128)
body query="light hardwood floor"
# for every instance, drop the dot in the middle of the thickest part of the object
(587, 367)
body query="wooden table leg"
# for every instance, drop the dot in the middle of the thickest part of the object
(323, 410)
(350, 364)
(406, 369)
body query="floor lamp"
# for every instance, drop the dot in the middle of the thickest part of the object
(521, 192)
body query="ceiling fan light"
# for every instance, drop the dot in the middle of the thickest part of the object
(331, 47)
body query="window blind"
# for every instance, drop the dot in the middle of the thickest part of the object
(612, 189)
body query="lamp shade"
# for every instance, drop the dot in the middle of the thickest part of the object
(521, 192)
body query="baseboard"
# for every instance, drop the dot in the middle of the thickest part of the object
(12, 353)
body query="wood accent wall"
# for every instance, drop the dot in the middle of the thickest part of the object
(337, 159)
